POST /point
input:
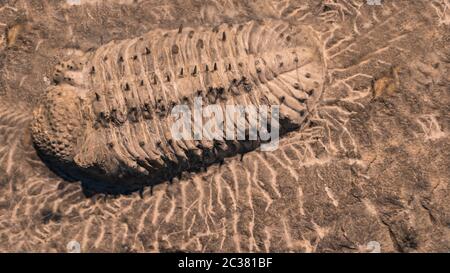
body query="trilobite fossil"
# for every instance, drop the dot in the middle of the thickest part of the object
(107, 115)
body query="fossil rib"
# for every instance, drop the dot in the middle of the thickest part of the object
(107, 117)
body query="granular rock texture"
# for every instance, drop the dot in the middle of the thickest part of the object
(368, 161)
(110, 109)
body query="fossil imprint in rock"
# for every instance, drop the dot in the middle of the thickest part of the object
(107, 116)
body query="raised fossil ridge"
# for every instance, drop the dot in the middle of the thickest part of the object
(106, 118)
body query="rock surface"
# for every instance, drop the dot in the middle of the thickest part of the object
(373, 164)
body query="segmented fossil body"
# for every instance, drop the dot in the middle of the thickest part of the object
(107, 117)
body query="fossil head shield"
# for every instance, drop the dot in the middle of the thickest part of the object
(107, 115)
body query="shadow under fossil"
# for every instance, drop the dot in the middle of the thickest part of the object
(93, 182)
